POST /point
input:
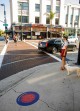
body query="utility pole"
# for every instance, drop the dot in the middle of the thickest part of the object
(4, 16)
(21, 23)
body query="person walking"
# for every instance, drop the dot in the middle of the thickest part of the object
(64, 52)
(7, 38)
(15, 38)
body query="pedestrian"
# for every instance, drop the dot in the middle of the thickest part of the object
(15, 38)
(7, 38)
(64, 52)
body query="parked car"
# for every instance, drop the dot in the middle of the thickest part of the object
(54, 45)
(72, 39)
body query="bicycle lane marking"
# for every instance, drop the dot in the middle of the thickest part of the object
(58, 59)
(2, 54)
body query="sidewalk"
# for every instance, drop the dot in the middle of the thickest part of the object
(2, 44)
(57, 91)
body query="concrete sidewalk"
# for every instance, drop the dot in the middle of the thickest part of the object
(57, 91)
(2, 44)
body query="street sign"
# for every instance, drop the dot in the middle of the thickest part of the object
(5, 25)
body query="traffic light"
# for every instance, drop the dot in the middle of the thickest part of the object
(5, 28)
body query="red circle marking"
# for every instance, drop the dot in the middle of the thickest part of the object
(27, 98)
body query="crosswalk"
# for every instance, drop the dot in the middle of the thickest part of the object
(3, 48)
(2, 44)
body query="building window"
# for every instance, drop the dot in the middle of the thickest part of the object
(57, 9)
(71, 19)
(77, 18)
(37, 7)
(48, 8)
(25, 19)
(36, 19)
(66, 19)
(57, 21)
(23, 5)
(57, 2)
(47, 20)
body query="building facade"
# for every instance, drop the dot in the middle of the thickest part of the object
(34, 12)
(72, 17)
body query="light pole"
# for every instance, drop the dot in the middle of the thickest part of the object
(21, 23)
(4, 16)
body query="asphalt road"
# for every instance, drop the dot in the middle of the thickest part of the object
(25, 55)
(22, 57)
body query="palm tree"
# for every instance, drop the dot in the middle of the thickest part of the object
(50, 17)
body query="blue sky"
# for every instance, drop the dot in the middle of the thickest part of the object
(6, 2)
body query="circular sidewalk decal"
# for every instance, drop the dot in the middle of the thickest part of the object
(27, 98)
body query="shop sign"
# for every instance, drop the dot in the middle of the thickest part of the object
(39, 29)
(37, 33)
(26, 29)
(55, 29)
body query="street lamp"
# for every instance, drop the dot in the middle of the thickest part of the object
(21, 22)
(4, 15)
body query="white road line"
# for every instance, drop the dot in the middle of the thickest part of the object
(22, 60)
(35, 43)
(53, 56)
(31, 44)
(2, 54)
(45, 52)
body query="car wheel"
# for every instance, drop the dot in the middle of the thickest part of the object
(74, 48)
(54, 50)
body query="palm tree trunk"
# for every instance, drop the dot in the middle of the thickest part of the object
(51, 28)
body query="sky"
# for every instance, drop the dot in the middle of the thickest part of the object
(7, 8)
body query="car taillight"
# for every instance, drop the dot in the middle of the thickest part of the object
(47, 44)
